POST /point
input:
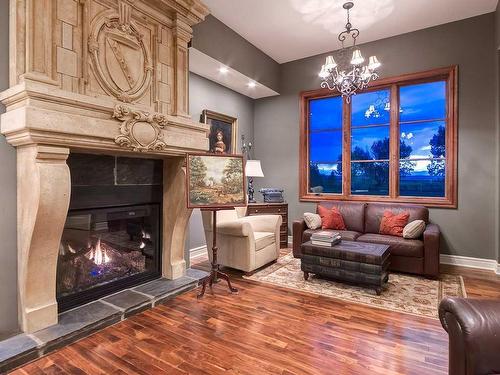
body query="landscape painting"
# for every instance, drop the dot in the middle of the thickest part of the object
(215, 181)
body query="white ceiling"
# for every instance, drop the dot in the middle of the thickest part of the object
(288, 30)
(208, 67)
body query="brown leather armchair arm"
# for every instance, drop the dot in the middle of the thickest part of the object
(299, 226)
(432, 236)
(473, 326)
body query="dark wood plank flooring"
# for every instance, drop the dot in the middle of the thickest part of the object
(265, 330)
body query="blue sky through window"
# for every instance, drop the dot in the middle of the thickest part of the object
(418, 136)
(325, 147)
(325, 113)
(425, 101)
(364, 139)
(371, 108)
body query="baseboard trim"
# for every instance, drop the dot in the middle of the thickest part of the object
(197, 251)
(469, 262)
(455, 260)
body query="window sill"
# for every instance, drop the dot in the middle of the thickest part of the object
(427, 202)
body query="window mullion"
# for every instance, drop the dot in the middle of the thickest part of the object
(394, 144)
(346, 150)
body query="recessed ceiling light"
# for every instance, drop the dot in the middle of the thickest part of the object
(251, 84)
(223, 69)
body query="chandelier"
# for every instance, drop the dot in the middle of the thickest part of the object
(349, 82)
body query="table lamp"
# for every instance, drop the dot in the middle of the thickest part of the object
(252, 169)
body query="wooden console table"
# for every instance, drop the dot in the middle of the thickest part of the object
(272, 209)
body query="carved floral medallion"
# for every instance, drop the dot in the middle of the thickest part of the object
(141, 131)
(118, 55)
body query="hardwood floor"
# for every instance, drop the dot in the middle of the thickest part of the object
(265, 330)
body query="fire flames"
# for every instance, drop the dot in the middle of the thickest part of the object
(98, 254)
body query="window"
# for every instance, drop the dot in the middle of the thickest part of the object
(394, 142)
(325, 143)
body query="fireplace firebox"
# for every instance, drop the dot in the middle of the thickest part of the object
(107, 249)
(112, 238)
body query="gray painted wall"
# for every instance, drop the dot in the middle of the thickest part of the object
(8, 252)
(497, 107)
(215, 39)
(471, 230)
(205, 94)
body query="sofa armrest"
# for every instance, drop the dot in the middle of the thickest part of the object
(473, 326)
(432, 236)
(298, 228)
(235, 228)
(263, 223)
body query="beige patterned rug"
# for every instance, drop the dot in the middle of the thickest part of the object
(405, 293)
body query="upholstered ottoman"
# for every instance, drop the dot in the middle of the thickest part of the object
(353, 262)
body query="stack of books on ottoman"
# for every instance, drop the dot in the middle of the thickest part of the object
(348, 261)
(325, 238)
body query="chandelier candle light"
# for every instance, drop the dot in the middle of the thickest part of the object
(344, 81)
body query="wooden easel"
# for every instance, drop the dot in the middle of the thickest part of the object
(215, 274)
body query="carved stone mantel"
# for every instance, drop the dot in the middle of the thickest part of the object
(105, 76)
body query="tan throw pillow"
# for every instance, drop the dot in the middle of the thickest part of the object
(414, 229)
(313, 221)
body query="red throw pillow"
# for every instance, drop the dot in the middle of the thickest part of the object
(331, 218)
(393, 224)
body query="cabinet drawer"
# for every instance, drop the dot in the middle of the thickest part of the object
(266, 210)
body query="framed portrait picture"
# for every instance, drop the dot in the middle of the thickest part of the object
(215, 181)
(223, 132)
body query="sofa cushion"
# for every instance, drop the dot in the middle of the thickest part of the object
(375, 211)
(263, 239)
(353, 213)
(348, 235)
(331, 218)
(399, 246)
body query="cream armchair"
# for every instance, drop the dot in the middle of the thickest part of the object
(244, 242)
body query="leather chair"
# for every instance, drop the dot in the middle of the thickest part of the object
(244, 242)
(473, 327)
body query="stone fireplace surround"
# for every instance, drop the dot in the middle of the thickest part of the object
(94, 76)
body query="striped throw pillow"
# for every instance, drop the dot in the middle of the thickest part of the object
(414, 229)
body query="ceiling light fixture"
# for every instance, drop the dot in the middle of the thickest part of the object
(223, 70)
(251, 84)
(358, 78)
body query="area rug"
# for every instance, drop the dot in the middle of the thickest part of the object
(404, 293)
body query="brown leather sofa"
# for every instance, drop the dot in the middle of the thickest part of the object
(473, 327)
(362, 220)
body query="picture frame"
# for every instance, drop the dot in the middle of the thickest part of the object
(223, 132)
(215, 181)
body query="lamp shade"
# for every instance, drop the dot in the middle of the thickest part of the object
(357, 57)
(373, 63)
(253, 169)
(330, 63)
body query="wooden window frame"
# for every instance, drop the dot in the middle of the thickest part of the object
(448, 74)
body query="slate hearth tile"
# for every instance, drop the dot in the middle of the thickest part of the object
(161, 287)
(78, 322)
(138, 171)
(129, 301)
(15, 347)
(196, 274)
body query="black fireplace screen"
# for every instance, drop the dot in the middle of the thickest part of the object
(107, 249)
